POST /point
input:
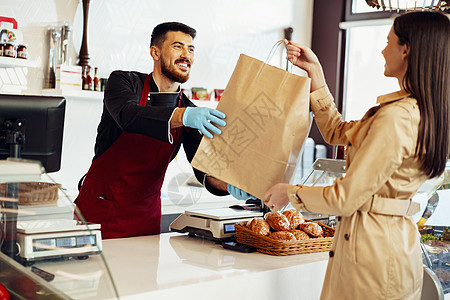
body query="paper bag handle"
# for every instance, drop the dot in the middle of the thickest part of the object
(272, 53)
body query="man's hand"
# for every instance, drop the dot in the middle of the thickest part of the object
(202, 118)
(238, 193)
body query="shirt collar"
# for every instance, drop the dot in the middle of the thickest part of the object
(154, 88)
(393, 97)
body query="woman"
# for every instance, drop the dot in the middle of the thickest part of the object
(391, 151)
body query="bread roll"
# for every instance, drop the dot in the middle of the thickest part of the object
(312, 228)
(258, 226)
(295, 218)
(282, 236)
(300, 235)
(277, 221)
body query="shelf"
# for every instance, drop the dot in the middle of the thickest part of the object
(83, 94)
(80, 94)
(9, 62)
(15, 170)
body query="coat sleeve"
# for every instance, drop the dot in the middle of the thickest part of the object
(121, 100)
(389, 140)
(328, 119)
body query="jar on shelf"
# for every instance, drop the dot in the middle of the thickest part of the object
(22, 51)
(9, 50)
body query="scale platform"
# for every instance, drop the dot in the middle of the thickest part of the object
(216, 224)
(58, 238)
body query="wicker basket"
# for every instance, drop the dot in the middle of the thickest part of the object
(270, 246)
(35, 193)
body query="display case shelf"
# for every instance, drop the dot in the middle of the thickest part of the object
(42, 233)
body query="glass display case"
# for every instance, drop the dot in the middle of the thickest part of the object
(44, 250)
(434, 228)
(323, 172)
(433, 220)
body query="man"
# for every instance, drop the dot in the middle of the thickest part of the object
(145, 120)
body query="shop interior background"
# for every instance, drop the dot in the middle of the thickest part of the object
(118, 38)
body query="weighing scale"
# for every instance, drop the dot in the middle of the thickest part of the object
(58, 238)
(216, 224)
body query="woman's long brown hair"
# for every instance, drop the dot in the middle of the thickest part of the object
(428, 35)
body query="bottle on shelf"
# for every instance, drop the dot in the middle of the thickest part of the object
(96, 81)
(83, 77)
(52, 58)
(88, 82)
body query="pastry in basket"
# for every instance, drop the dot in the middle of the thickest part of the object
(300, 235)
(282, 236)
(277, 221)
(258, 226)
(295, 218)
(312, 228)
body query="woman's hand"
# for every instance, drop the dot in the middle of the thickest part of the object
(276, 197)
(304, 58)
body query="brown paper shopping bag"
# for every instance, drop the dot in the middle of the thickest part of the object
(267, 115)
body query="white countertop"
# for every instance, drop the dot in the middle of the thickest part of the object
(173, 265)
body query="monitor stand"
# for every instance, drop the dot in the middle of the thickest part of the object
(10, 207)
(15, 138)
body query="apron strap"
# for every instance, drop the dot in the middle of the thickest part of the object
(80, 183)
(145, 90)
(390, 206)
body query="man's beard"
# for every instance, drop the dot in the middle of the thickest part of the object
(170, 72)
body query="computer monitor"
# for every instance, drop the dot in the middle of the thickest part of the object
(33, 125)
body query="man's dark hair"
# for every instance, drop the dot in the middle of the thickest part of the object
(159, 32)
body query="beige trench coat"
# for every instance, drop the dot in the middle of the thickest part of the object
(375, 255)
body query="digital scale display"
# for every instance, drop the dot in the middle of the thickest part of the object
(229, 228)
(64, 242)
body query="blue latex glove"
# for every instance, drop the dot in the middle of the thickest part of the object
(202, 118)
(238, 193)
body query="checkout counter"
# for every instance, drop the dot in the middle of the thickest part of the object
(58, 265)
(172, 266)
(166, 266)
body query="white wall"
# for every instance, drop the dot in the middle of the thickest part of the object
(119, 33)
(119, 36)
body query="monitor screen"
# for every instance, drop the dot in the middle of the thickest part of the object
(40, 120)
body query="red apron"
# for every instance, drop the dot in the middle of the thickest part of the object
(122, 189)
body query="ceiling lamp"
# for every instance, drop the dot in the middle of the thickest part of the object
(409, 4)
